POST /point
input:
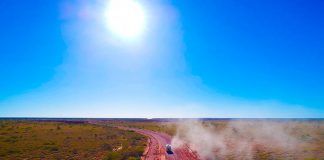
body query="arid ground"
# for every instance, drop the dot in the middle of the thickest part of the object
(242, 138)
(127, 139)
(67, 140)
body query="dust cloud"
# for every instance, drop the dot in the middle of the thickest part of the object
(235, 139)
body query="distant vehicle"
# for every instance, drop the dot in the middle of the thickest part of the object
(168, 149)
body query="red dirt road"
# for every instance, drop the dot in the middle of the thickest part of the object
(156, 148)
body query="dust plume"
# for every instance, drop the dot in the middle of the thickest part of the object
(236, 139)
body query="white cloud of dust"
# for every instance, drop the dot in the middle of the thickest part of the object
(235, 139)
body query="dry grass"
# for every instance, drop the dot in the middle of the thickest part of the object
(57, 140)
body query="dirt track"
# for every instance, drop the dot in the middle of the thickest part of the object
(156, 149)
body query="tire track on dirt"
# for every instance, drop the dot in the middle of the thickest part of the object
(156, 147)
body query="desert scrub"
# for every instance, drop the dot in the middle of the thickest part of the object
(65, 140)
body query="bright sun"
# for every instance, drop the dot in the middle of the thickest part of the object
(125, 18)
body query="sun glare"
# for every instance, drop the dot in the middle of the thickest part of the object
(125, 18)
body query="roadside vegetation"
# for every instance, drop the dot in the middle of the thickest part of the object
(67, 140)
(21, 139)
(264, 139)
(153, 125)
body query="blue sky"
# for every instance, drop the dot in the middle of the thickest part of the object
(217, 58)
